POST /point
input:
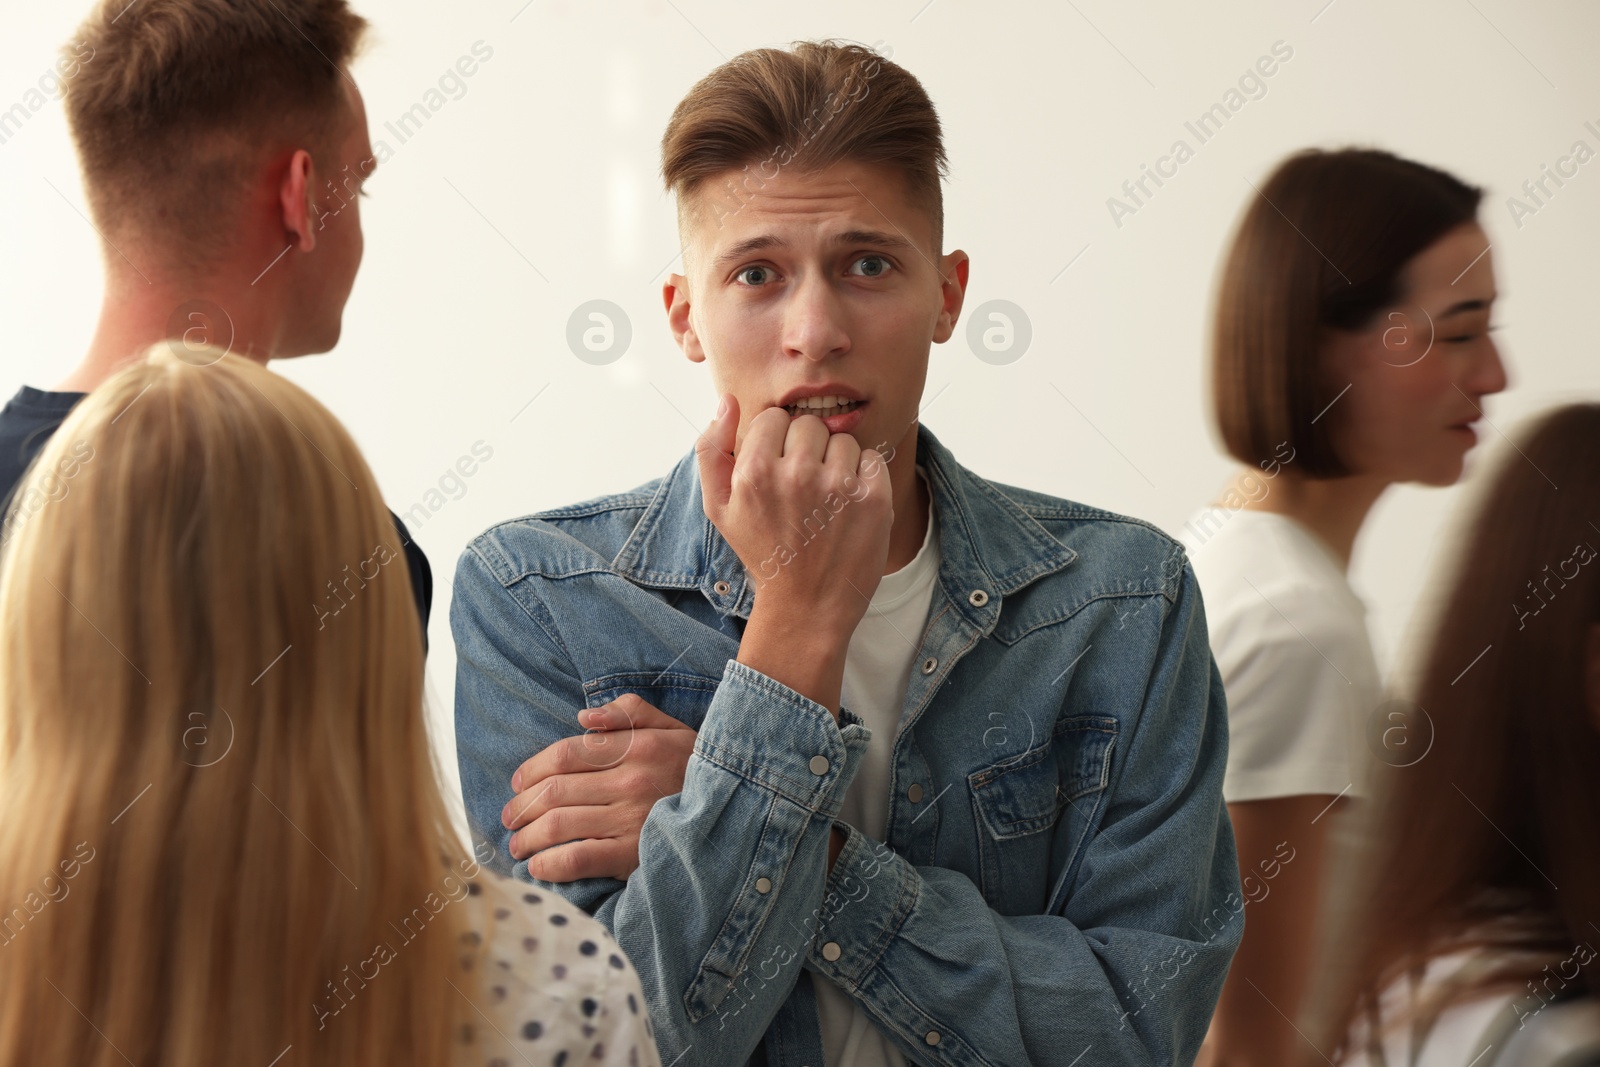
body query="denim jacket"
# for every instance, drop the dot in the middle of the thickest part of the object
(1059, 884)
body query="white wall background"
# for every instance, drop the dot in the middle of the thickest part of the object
(537, 190)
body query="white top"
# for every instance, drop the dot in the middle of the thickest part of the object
(1458, 1037)
(1290, 639)
(877, 669)
(549, 985)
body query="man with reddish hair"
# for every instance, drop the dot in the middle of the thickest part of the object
(224, 149)
(864, 758)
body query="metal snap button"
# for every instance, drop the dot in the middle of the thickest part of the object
(932, 1038)
(722, 588)
(819, 764)
(978, 598)
(914, 794)
(831, 951)
(763, 886)
(929, 664)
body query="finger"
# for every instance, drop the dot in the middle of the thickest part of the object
(566, 823)
(843, 455)
(592, 750)
(713, 452)
(597, 858)
(763, 438)
(629, 711)
(561, 790)
(807, 438)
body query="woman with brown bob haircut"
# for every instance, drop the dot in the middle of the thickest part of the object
(1351, 352)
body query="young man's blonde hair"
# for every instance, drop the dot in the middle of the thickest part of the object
(224, 830)
(768, 110)
(184, 99)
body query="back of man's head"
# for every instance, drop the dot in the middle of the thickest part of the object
(183, 101)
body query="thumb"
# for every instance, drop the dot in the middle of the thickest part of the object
(629, 711)
(714, 454)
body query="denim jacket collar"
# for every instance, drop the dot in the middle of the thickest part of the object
(987, 542)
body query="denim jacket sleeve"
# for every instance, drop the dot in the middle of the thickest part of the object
(1131, 967)
(732, 869)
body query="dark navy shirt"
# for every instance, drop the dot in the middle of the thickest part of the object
(30, 418)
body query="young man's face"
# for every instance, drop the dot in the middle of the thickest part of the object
(824, 284)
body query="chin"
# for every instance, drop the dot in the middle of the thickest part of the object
(1446, 472)
(318, 343)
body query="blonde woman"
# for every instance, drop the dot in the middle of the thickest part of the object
(223, 838)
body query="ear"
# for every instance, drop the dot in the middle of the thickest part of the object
(953, 268)
(1592, 673)
(675, 295)
(295, 201)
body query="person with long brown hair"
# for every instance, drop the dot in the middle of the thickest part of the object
(1471, 903)
(224, 837)
(1351, 352)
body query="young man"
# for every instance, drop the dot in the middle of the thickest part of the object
(224, 147)
(885, 762)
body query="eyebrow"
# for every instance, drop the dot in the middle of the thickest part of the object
(1462, 306)
(874, 238)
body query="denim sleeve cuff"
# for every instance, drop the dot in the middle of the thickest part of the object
(764, 731)
(870, 894)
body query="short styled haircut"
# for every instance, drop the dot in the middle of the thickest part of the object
(1320, 248)
(821, 103)
(183, 98)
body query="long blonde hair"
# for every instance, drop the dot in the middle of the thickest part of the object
(220, 805)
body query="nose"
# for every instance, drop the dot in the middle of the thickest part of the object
(814, 323)
(1488, 374)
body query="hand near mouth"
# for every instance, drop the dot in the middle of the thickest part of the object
(808, 512)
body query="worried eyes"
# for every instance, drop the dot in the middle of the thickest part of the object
(875, 267)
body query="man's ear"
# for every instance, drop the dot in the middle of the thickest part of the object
(675, 295)
(953, 268)
(295, 201)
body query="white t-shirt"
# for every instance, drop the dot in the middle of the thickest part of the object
(877, 669)
(1461, 1032)
(1290, 639)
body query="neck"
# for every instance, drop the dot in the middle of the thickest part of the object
(1333, 509)
(137, 313)
(910, 503)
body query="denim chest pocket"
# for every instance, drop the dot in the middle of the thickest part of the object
(1034, 810)
(684, 695)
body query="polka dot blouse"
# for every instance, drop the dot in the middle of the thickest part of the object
(548, 985)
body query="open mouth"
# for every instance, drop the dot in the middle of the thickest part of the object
(823, 406)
